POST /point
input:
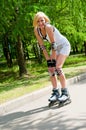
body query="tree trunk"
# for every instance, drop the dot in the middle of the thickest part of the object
(73, 50)
(76, 49)
(6, 51)
(37, 52)
(20, 58)
(85, 47)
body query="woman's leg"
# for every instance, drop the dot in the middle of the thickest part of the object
(64, 91)
(60, 61)
(53, 77)
(56, 94)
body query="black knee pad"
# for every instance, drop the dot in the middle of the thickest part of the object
(59, 71)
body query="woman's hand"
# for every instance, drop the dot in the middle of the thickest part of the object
(51, 66)
(51, 63)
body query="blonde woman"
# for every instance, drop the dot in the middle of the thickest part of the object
(60, 49)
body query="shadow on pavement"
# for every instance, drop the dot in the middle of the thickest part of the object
(42, 118)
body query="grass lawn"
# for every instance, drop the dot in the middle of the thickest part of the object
(11, 86)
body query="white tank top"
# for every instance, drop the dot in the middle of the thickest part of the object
(59, 38)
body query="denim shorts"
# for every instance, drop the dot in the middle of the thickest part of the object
(63, 49)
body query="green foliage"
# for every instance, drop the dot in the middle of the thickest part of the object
(73, 60)
(17, 16)
(11, 86)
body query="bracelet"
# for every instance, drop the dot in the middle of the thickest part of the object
(42, 47)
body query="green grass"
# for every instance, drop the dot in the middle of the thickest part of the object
(11, 86)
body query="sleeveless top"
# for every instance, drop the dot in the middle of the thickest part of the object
(59, 38)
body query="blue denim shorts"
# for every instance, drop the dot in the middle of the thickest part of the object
(63, 49)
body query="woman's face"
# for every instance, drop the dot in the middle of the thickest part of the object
(41, 22)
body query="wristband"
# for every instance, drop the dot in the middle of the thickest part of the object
(51, 63)
(54, 46)
(42, 47)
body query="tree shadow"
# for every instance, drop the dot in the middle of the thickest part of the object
(42, 118)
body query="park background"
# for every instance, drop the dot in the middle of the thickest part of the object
(23, 68)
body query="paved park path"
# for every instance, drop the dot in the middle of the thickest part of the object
(36, 115)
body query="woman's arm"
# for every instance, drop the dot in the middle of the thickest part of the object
(49, 30)
(40, 41)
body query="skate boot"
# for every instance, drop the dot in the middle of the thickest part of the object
(64, 99)
(54, 97)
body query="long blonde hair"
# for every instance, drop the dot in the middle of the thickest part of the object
(37, 16)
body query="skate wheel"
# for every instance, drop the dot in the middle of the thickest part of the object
(64, 103)
(53, 103)
(50, 104)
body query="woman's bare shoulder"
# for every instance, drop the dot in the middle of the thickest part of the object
(48, 27)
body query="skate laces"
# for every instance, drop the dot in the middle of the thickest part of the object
(65, 94)
(55, 93)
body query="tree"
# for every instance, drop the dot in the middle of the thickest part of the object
(12, 14)
(7, 50)
(16, 21)
(20, 57)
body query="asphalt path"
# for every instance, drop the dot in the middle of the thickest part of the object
(36, 115)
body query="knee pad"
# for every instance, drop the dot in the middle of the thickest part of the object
(59, 71)
(52, 74)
